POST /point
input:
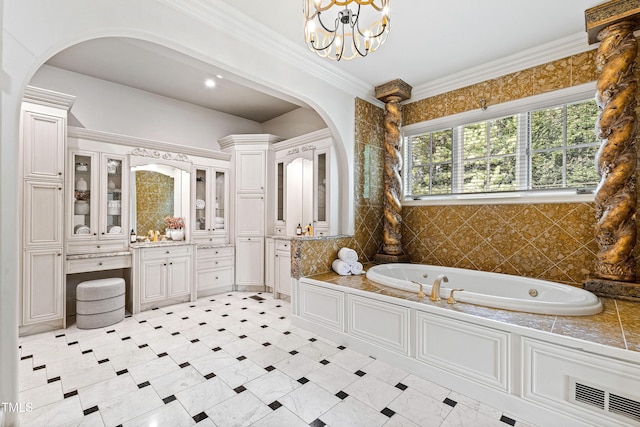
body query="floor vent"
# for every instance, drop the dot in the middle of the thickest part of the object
(606, 401)
(256, 297)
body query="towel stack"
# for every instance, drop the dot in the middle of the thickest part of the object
(347, 263)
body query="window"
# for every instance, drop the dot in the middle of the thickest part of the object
(547, 148)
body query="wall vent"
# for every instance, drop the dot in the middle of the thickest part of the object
(607, 402)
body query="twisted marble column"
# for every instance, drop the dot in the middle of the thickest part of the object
(392, 234)
(616, 196)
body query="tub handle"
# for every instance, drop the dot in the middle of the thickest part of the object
(420, 293)
(451, 299)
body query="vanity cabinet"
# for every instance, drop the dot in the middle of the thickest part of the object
(43, 143)
(215, 270)
(97, 207)
(282, 268)
(303, 195)
(163, 275)
(210, 202)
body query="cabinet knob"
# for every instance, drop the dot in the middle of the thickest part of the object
(95, 234)
(99, 263)
(59, 173)
(164, 263)
(59, 188)
(285, 245)
(216, 262)
(59, 254)
(167, 252)
(170, 263)
(216, 277)
(102, 233)
(98, 246)
(216, 252)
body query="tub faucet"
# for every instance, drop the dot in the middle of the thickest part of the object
(435, 288)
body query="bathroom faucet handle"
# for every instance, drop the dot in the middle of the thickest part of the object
(451, 299)
(420, 293)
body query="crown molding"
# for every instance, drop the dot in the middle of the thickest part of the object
(538, 55)
(231, 141)
(222, 17)
(141, 144)
(48, 98)
(307, 138)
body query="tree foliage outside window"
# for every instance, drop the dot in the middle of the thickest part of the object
(542, 149)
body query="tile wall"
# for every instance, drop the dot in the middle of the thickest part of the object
(548, 241)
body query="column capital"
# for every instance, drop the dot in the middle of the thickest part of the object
(397, 89)
(612, 12)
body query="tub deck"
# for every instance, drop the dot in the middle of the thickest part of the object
(617, 326)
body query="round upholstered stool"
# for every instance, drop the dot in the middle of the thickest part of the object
(99, 303)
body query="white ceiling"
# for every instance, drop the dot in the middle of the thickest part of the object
(429, 41)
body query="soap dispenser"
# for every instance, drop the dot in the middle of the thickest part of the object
(298, 230)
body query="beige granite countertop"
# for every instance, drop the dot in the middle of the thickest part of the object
(283, 237)
(160, 244)
(98, 255)
(618, 325)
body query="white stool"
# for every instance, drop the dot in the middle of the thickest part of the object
(100, 303)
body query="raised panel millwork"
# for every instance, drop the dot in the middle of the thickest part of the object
(384, 324)
(472, 351)
(154, 281)
(43, 295)
(321, 305)
(250, 216)
(43, 207)
(179, 276)
(250, 261)
(550, 372)
(251, 174)
(43, 136)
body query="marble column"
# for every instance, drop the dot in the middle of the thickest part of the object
(612, 24)
(392, 94)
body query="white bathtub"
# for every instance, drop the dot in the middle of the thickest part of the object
(491, 289)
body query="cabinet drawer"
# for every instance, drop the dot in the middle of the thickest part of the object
(168, 251)
(283, 245)
(96, 247)
(213, 278)
(208, 263)
(211, 253)
(98, 264)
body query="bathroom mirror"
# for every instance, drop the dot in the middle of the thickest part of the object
(299, 194)
(157, 191)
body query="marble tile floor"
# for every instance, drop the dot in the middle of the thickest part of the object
(228, 360)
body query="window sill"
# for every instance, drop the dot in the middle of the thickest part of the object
(503, 199)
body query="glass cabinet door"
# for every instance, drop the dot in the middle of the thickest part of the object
(201, 223)
(280, 192)
(321, 187)
(84, 178)
(220, 218)
(113, 203)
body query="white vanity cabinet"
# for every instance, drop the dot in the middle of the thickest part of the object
(210, 205)
(250, 261)
(215, 270)
(163, 275)
(303, 194)
(282, 268)
(97, 201)
(43, 143)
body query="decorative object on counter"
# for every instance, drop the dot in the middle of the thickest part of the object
(347, 263)
(133, 238)
(175, 225)
(82, 167)
(81, 185)
(81, 207)
(298, 230)
(308, 230)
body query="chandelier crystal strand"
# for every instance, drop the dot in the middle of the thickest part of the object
(345, 29)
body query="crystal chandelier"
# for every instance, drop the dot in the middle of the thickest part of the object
(329, 24)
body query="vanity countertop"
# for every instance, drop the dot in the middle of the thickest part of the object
(282, 237)
(161, 244)
(214, 245)
(98, 255)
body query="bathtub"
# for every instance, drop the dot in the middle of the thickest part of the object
(491, 289)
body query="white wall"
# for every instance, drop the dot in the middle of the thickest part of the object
(110, 107)
(294, 123)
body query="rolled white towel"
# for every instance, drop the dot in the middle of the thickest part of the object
(348, 255)
(341, 267)
(356, 268)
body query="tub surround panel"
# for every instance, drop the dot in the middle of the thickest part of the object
(617, 326)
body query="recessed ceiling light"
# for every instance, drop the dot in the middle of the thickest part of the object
(209, 83)
(219, 76)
